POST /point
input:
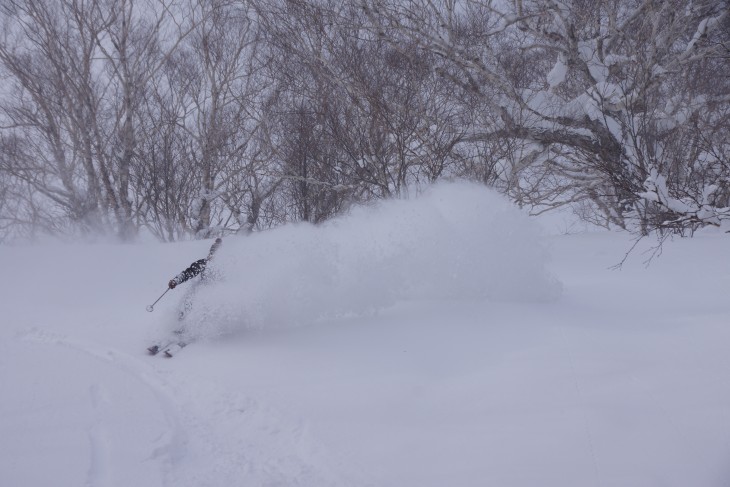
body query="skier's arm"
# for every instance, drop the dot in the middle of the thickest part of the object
(195, 268)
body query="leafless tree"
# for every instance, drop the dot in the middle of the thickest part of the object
(189, 118)
(80, 70)
(592, 92)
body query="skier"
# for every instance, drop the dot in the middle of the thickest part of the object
(199, 267)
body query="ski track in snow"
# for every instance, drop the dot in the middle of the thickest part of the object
(99, 462)
(169, 446)
(270, 449)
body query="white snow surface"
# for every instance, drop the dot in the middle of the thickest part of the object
(424, 342)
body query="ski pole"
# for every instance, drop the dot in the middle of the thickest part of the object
(151, 307)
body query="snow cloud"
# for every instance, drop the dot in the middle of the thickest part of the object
(454, 241)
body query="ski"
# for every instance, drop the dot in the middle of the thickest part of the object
(168, 350)
(171, 350)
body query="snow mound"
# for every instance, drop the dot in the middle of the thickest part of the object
(454, 241)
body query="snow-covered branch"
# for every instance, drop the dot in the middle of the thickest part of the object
(688, 211)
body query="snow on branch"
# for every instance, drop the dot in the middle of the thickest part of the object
(684, 211)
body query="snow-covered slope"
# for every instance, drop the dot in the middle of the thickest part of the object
(426, 342)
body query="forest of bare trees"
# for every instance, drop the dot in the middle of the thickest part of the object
(197, 118)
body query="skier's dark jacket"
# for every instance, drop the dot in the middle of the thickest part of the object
(196, 267)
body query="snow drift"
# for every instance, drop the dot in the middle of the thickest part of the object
(454, 241)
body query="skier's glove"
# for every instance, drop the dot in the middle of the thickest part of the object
(172, 284)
